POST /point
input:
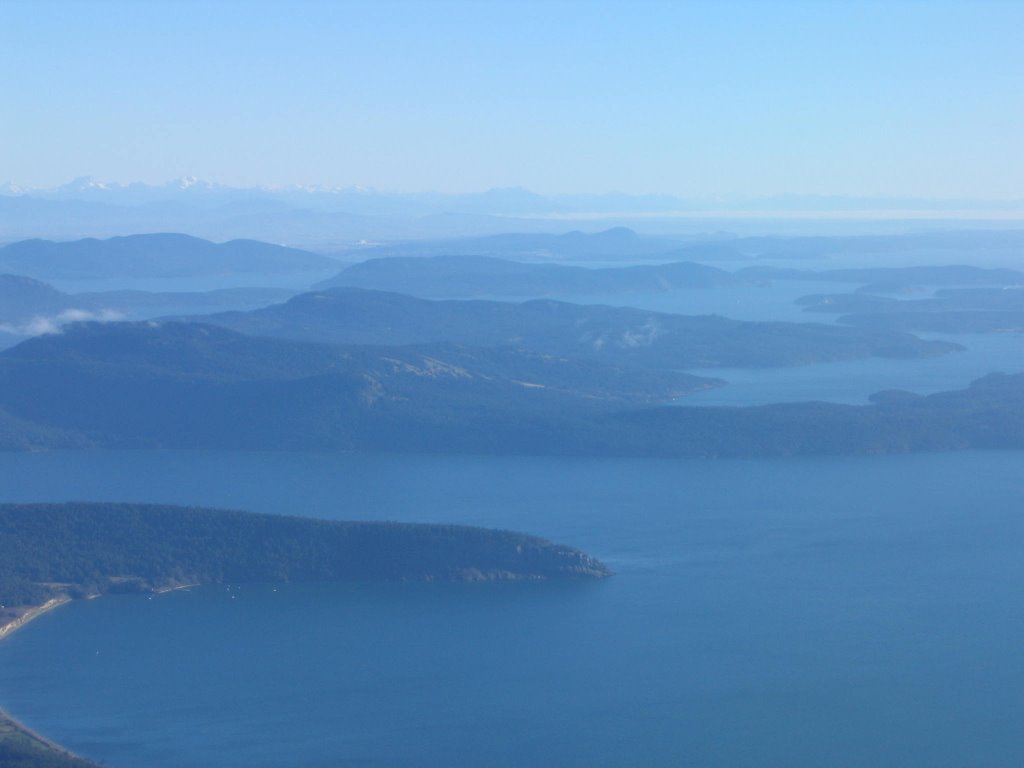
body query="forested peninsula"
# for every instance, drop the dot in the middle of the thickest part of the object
(76, 550)
(51, 553)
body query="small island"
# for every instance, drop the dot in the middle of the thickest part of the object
(53, 553)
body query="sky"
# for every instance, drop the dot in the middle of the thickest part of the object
(705, 100)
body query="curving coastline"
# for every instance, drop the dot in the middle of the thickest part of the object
(58, 552)
(33, 612)
(20, 744)
(28, 747)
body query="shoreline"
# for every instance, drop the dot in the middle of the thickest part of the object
(165, 590)
(32, 613)
(8, 723)
(11, 726)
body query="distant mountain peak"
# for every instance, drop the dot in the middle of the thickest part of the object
(619, 233)
(11, 189)
(87, 183)
(187, 182)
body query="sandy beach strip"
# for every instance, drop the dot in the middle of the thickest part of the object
(32, 613)
(7, 723)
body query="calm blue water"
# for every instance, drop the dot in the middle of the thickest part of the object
(851, 381)
(854, 381)
(774, 301)
(797, 613)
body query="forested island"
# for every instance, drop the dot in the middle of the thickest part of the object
(616, 335)
(52, 551)
(471, 276)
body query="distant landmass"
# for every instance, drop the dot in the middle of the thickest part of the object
(181, 384)
(190, 192)
(896, 279)
(959, 310)
(619, 335)
(989, 414)
(614, 244)
(155, 256)
(412, 268)
(622, 244)
(343, 218)
(472, 276)
(948, 322)
(194, 386)
(30, 307)
(21, 297)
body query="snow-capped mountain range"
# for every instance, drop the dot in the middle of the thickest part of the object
(325, 217)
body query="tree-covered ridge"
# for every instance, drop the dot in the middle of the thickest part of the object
(182, 385)
(465, 276)
(616, 335)
(194, 351)
(78, 549)
(20, 435)
(192, 386)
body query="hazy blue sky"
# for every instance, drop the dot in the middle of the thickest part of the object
(698, 99)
